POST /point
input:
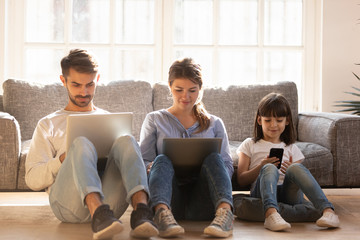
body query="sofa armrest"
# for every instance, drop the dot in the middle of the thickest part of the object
(9, 151)
(340, 133)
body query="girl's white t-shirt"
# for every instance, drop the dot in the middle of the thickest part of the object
(261, 149)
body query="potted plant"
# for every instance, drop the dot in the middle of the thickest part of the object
(351, 106)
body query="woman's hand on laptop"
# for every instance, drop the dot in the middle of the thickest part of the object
(62, 157)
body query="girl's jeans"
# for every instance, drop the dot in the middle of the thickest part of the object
(196, 200)
(78, 176)
(298, 180)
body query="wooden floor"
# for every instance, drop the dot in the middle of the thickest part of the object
(28, 216)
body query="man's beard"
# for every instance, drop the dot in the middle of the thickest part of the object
(82, 104)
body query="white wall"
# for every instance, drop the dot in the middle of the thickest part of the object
(340, 51)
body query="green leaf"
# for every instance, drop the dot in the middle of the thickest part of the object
(356, 112)
(356, 76)
(358, 89)
(351, 106)
(349, 102)
(352, 109)
(355, 94)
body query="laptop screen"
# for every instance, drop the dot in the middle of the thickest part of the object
(101, 129)
(188, 154)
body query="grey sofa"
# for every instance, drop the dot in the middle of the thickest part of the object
(329, 141)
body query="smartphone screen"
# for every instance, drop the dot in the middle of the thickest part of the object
(277, 152)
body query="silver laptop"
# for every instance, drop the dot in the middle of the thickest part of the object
(188, 154)
(101, 129)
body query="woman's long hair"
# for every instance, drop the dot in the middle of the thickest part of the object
(188, 69)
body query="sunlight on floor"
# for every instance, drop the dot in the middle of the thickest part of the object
(24, 199)
(42, 199)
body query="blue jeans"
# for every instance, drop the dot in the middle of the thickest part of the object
(197, 200)
(78, 176)
(298, 180)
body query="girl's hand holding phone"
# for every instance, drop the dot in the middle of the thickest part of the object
(272, 160)
(285, 165)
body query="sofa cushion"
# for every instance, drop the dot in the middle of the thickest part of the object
(162, 97)
(340, 133)
(251, 209)
(319, 161)
(29, 102)
(126, 96)
(236, 105)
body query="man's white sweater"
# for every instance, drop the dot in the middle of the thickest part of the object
(47, 144)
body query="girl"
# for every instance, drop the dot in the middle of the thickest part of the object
(274, 129)
(210, 193)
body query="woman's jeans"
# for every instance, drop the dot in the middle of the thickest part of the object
(196, 200)
(298, 180)
(78, 176)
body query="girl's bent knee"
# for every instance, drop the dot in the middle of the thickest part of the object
(269, 167)
(295, 168)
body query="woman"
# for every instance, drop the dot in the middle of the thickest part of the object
(194, 198)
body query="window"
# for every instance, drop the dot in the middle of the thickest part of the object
(235, 41)
(241, 41)
(120, 33)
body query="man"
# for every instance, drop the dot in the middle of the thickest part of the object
(77, 193)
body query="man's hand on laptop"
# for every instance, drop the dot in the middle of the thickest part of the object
(62, 157)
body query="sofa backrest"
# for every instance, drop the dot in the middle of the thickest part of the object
(126, 96)
(236, 105)
(29, 102)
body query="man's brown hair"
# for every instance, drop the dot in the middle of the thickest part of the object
(81, 61)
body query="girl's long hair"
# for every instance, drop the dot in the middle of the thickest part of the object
(188, 69)
(275, 105)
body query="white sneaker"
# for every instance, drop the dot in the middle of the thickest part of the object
(275, 222)
(328, 219)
